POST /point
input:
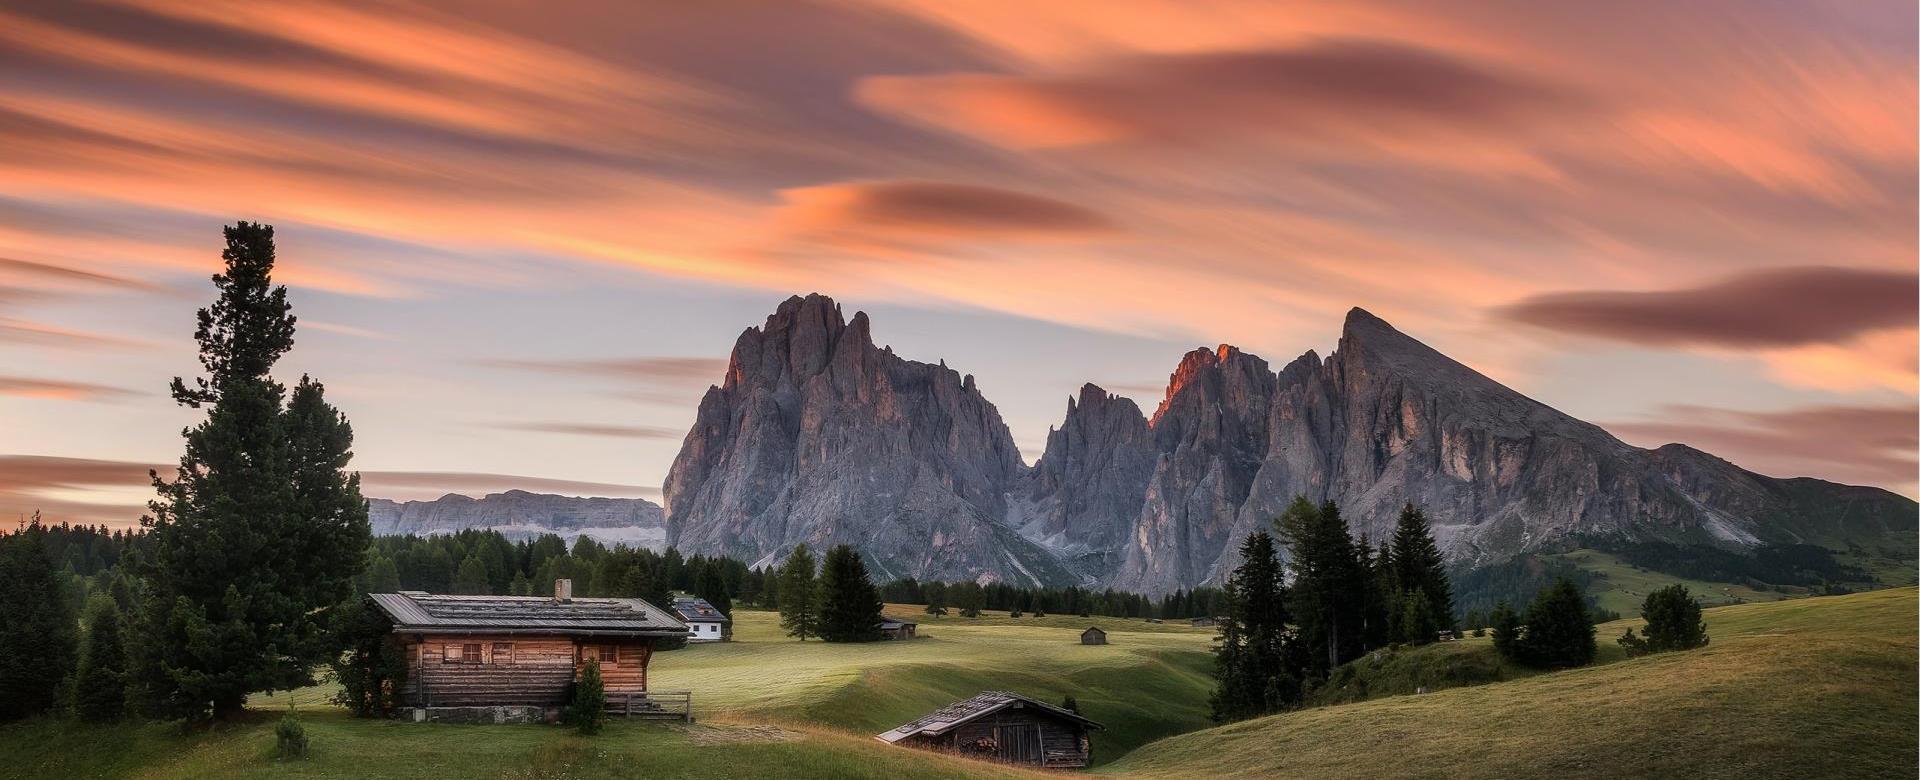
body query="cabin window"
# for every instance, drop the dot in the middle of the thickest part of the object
(503, 652)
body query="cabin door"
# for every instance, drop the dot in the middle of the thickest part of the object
(1020, 744)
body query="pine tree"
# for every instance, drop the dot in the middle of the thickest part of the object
(1255, 663)
(262, 528)
(1416, 619)
(1505, 624)
(373, 670)
(797, 607)
(1328, 594)
(383, 576)
(36, 630)
(1559, 629)
(100, 685)
(849, 605)
(712, 586)
(1673, 623)
(1419, 568)
(471, 579)
(936, 599)
(587, 708)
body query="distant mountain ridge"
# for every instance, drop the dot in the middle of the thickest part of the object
(815, 435)
(519, 514)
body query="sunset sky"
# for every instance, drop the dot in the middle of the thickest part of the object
(521, 237)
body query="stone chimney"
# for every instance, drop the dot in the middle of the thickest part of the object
(563, 591)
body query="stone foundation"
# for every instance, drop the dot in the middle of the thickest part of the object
(498, 714)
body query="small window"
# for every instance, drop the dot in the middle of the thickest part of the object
(450, 654)
(471, 653)
(503, 652)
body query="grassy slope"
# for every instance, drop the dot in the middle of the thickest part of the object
(1621, 587)
(1805, 688)
(829, 700)
(1151, 681)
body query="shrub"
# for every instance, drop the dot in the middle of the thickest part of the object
(290, 738)
(1506, 631)
(588, 710)
(374, 668)
(1070, 704)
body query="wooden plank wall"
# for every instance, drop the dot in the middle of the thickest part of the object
(517, 670)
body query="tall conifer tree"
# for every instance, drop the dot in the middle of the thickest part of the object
(1328, 596)
(1255, 667)
(1419, 568)
(262, 527)
(849, 604)
(36, 631)
(797, 596)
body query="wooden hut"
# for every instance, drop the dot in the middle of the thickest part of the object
(1005, 727)
(1093, 636)
(514, 658)
(898, 629)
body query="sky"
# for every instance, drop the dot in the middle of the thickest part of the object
(522, 237)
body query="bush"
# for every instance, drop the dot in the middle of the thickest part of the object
(588, 710)
(1506, 631)
(374, 668)
(1673, 623)
(290, 738)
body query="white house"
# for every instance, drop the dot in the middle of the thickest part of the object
(704, 622)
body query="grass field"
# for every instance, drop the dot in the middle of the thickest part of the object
(1820, 687)
(1621, 587)
(1804, 688)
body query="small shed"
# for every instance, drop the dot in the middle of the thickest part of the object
(1201, 622)
(1005, 727)
(705, 622)
(1093, 636)
(898, 629)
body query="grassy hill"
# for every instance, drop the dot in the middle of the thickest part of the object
(1622, 587)
(1819, 687)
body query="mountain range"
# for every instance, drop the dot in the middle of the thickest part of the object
(518, 514)
(816, 435)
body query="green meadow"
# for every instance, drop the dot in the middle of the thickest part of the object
(1819, 687)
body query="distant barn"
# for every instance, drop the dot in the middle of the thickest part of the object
(1005, 727)
(898, 629)
(1205, 621)
(705, 622)
(1093, 636)
(514, 658)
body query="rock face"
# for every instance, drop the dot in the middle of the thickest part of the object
(817, 436)
(635, 522)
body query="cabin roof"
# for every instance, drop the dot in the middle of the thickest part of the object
(695, 610)
(413, 611)
(891, 623)
(946, 718)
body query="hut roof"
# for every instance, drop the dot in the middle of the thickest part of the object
(946, 718)
(413, 611)
(694, 610)
(890, 624)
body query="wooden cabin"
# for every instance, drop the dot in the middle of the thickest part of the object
(516, 657)
(1093, 636)
(1005, 727)
(898, 629)
(705, 622)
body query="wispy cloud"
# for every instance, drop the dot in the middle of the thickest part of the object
(594, 429)
(1853, 444)
(28, 387)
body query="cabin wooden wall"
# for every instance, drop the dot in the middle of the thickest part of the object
(1063, 742)
(517, 670)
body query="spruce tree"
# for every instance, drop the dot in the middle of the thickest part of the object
(1417, 626)
(100, 684)
(262, 528)
(1559, 629)
(1419, 568)
(797, 606)
(849, 605)
(471, 578)
(1673, 622)
(711, 585)
(1328, 594)
(937, 599)
(1505, 624)
(36, 630)
(1255, 663)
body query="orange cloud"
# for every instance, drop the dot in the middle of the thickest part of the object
(932, 211)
